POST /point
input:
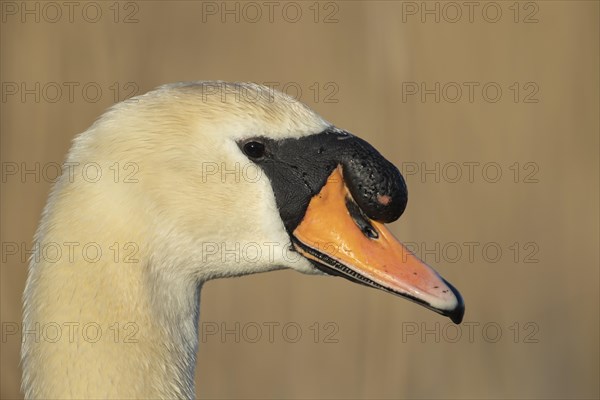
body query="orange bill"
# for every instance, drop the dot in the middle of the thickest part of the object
(343, 241)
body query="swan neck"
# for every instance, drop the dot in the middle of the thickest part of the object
(129, 325)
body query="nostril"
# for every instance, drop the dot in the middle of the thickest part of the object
(371, 232)
(361, 221)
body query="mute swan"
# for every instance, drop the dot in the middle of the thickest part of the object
(124, 234)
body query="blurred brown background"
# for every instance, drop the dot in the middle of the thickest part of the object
(531, 282)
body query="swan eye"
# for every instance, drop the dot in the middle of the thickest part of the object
(254, 149)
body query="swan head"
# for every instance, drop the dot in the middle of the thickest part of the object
(214, 179)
